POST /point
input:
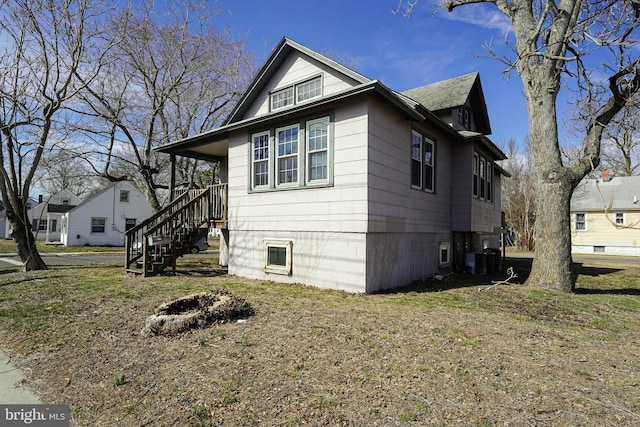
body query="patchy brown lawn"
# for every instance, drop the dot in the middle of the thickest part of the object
(437, 353)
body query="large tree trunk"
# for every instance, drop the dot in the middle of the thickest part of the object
(25, 242)
(552, 266)
(553, 186)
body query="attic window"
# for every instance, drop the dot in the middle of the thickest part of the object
(304, 91)
(309, 90)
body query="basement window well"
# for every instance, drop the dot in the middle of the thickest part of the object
(278, 256)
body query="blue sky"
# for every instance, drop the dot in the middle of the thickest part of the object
(401, 52)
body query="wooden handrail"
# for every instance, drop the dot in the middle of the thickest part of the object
(191, 210)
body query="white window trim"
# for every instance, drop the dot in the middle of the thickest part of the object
(126, 194)
(277, 157)
(105, 224)
(278, 269)
(575, 221)
(615, 218)
(253, 161)
(276, 92)
(294, 88)
(307, 153)
(309, 81)
(303, 180)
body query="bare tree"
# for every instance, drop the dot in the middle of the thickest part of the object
(172, 76)
(518, 195)
(62, 169)
(553, 41)
(44, 43)
(621, 144)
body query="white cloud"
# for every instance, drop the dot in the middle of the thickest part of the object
(481, 16)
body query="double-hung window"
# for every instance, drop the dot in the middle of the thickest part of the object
(428, 165)
(260, 159)
(287, 161)
(292, 156)
(98, 225)
(416, 163)
(581, 221)
(619, 218)
(482, 178)
(422, 162)
(317, 132)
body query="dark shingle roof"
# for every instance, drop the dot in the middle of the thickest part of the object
(445, 94)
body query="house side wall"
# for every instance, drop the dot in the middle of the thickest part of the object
(326, 225)
(105, 205)
(394, 206)
(601, 236)
(296, 69)
(341, 207)
(462, 187)
(330, 260)
(398, 259)
(406, 225)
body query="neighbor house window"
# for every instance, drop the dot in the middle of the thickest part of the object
(619, 218)
(124, 196)
(445, 253)
(42, 225)
(304, 91)
(287, 162)
(98, 225)
(422, 162)
(260, 162)
(581, 221)
(53, 225)
(318, 149)
(278, 256)
(303, 156)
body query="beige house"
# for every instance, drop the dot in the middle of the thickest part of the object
(605, 216)
(337, 181)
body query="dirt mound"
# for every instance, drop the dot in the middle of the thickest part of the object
(196, 311)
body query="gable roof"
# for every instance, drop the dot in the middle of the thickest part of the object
(273, 63)
(129, 186)
(211, 145)
(453, 93)
(621, 193)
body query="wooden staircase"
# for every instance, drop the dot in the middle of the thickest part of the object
(156, 243)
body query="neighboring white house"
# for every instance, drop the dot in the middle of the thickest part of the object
(605, 216)
(102, 219)
(337, 181)
(5, 226)
(47, 214)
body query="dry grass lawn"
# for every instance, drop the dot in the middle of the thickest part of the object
(437, 353)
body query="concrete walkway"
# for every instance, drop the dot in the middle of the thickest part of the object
(11, 379)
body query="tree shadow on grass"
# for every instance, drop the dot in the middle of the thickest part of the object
(522, 268)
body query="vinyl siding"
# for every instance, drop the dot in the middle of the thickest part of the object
(296, 69)
(601, 232)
